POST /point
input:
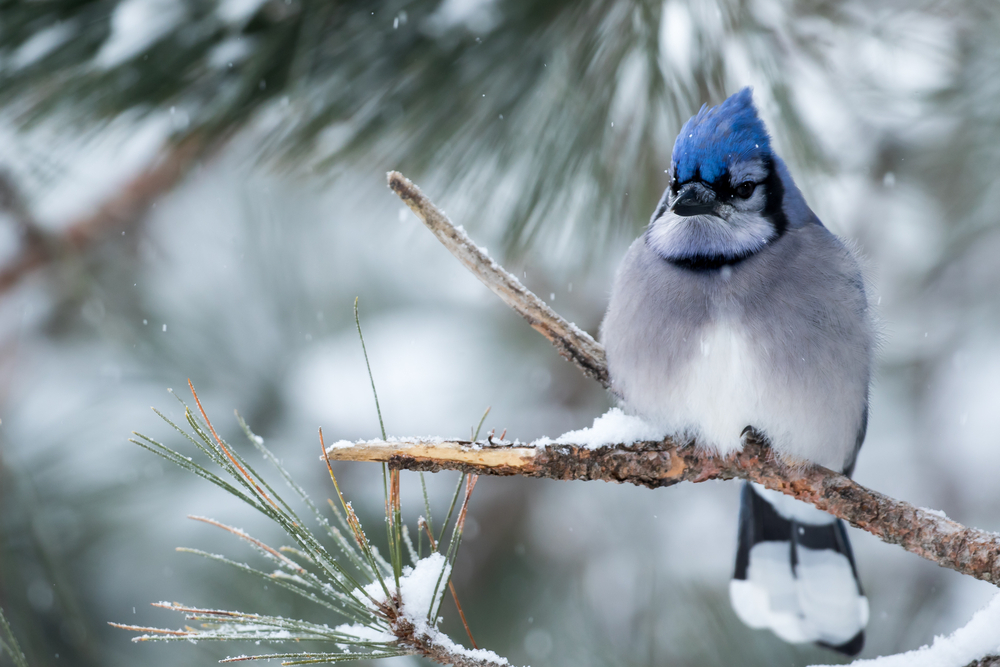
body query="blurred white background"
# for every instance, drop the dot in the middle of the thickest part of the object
(545, 130)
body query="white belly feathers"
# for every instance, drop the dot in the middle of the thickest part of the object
(728, 384)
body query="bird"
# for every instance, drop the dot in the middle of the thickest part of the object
(737, 311)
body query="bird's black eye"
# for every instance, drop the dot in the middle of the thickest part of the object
(745, 189)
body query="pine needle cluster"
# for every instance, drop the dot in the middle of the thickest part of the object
(386, 607)
(337, 568)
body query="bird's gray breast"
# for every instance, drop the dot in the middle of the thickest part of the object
(781, 342)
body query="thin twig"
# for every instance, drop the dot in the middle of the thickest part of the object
(924, 533)
(571, 342)
(654, 464)
(928, 534)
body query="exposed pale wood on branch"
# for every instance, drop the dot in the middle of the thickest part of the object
(938, 539)
(574, 344)
(925, 533)
(457, 452)
(654, 464)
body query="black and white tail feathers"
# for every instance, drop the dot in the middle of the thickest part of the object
(795, 573)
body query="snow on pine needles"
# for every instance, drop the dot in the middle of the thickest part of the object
(382, 607)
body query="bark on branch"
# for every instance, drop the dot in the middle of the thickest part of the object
(923, 532)
(926, 533)
(443, 653)
(572, 343)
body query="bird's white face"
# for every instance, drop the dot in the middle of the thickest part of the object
(715, 223)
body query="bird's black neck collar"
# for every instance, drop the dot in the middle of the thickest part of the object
(708, 262)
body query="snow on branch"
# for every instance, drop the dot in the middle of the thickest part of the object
(661, 463)
(645, 460)
(963, 648)
(927, 533)
(572, 343)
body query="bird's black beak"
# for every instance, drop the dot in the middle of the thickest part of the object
(694, 199)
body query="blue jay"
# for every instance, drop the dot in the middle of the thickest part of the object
(738, 309)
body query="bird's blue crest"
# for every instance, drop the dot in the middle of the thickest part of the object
(718, 137)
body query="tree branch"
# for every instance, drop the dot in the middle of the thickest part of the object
(926, 533)
(122, 208)
(923, 532)
(442, 650)
(573, 343)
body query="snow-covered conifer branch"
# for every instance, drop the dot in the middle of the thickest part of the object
(923, 532)
(388, 609)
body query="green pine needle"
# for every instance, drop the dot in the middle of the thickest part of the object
(336, 578)
(9, 645)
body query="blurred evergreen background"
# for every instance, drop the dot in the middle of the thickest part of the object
(193, 188)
